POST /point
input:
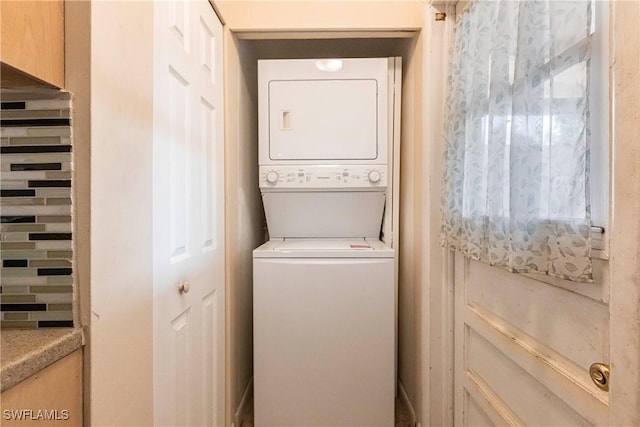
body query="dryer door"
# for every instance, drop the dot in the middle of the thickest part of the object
(325, 119)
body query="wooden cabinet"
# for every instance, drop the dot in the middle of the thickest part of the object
(51, 397)
(32, 43)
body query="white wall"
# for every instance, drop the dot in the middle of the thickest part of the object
(243, 216)
(121, 216)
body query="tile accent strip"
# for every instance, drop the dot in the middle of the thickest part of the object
(35, 122)
(19, 149)
(36, 167)
(13, 105)
(51, 183)
(9, 219)
(36, 282)
(15, 263)
(17, 193)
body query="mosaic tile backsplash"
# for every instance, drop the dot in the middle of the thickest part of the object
(35, 175)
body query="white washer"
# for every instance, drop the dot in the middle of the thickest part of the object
(324, 327)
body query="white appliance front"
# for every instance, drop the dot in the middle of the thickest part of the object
(318, 123)
(323, 201)
(323, 110)
(324, 333)
(324, 213)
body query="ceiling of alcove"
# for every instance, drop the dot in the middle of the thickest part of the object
(329, 47)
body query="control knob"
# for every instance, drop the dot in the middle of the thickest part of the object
(272, 177)
(374, 176)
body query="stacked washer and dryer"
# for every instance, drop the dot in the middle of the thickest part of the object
(324, 290)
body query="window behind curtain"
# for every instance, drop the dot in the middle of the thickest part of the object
(516, 190)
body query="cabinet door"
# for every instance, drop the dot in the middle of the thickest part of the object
(51, 397)
(32, 42)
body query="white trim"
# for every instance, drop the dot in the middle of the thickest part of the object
(392, 227)
(243, 407)
(437, 340)
(404, 398)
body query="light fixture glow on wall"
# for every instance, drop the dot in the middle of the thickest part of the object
(329, 65)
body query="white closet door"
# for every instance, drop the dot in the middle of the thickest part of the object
(188, 215)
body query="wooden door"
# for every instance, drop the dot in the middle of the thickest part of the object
(524, 345)
(188, 215)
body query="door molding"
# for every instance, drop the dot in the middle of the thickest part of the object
(624, 214)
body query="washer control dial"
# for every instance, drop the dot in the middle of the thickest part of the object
(272, 177)
(374, 176)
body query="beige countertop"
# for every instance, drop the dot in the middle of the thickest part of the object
(24, 352)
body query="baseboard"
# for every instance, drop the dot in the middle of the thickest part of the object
(243, 407)
(404, 398)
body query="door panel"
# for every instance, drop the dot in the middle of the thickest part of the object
(495, 370)
(474, 415)
(180, 347)
(178, 163)
(207, 51)
(523, 349)
(210, 341)
(207, 183)
(568, 323)
(180, 22)
(188, 217)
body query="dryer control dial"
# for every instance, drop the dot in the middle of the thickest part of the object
(374, 176)
(272, 177)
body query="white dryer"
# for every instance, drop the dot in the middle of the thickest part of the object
(324, 287)
(324, 111)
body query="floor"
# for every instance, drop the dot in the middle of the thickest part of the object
(403, 417)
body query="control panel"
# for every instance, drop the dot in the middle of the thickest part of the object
(323, 177)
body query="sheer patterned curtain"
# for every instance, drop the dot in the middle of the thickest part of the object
(516, 180)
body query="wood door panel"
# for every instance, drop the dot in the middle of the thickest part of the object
(523, 350)
(519, 391)
(474, 415)
(568, 323)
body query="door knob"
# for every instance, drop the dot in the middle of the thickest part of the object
(184, 287)
(600, 375)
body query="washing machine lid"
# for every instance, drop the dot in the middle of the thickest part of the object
(323, 248)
